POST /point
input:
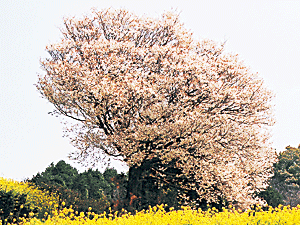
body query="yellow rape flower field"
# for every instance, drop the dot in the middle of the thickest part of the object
(186, 216)
(36, 199)
(48, 210)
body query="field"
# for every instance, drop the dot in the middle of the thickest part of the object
(158, 216)
(43, 208)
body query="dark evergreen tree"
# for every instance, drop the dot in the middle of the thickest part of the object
(82, 190)
(62, 174)
(117, 188)
(286, 179)
(272, 196)
(91, 184)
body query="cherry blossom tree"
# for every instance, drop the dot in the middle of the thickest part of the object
(145, 90)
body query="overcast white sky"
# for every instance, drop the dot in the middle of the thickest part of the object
(265, 33)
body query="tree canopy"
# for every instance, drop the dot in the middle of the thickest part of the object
(286, 179)
(61, 173)
(145, 90)
(90, 188)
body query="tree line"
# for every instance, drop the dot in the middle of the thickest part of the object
(102, 191)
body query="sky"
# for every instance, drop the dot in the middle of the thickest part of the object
(265, 34)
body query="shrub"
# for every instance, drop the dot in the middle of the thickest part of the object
(12, 206)
(33, 199)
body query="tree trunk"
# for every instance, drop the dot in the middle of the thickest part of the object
(139, 185)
